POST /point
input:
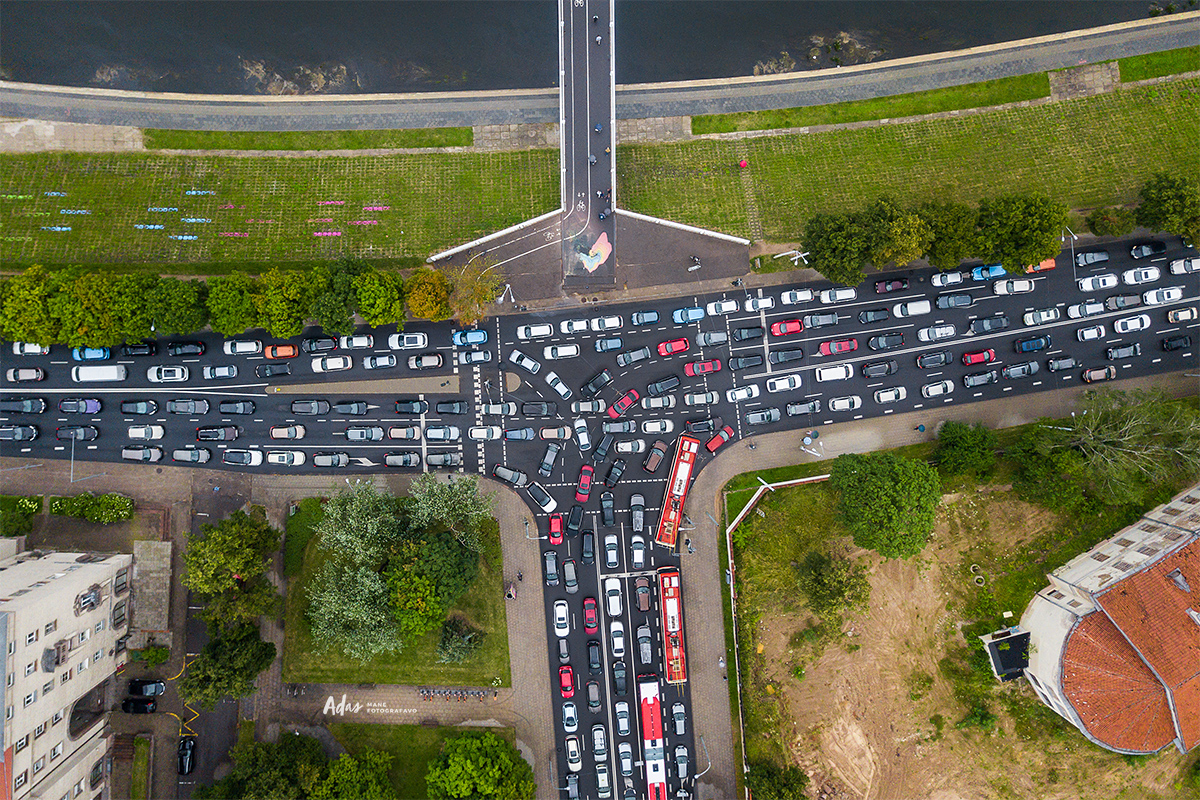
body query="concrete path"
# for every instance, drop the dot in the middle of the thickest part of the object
(436, 109)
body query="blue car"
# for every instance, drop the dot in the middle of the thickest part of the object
(91, 354)
(683, 316)
(468, 338)
(987, 272)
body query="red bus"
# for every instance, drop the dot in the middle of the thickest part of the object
(653, 746)
(679, 481)
(674, 657)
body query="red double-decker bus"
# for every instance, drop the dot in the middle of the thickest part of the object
(653, 746)
(674, 658)
(679, 481)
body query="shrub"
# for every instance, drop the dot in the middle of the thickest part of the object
(152, 656)
(1111, 221)
(459, 640)
(104, 508)
(17, 513)
(965, 448)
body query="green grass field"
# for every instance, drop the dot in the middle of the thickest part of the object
(140, 776)
(1156, 65)
(412, 748)
(297, 534)
(157, 139)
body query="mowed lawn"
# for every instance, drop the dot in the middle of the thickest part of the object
(1086, 153)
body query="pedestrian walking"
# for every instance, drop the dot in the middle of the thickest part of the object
(595, 18)
(597, 40)
(520, 575)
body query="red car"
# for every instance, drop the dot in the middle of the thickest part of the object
(566, 681)
(673, 346)
(787, 327)
(281, 351)
(584, 489)
(883, 287)
(591, 620)
(702, 367)
(722, 436)
(838, 346)
(982, 357)
(556, 529)
(622, 405)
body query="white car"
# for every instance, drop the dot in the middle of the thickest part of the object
(942, 279)
(380, 361)
(146, 432)
(783, 383)
(359, 341)
(1093, 333)
(562, 618)
(658, 426)
(524, 362)
(287, 431)
(759, 303)
(442, 433)
(699, 398)
(741, 393)
(1088, 308)
(892, 395)
(527, 332)
(622, 714)
(1042, 315)
(474, 357)
(600, 324)
(409, 432)
(936, 333)
(331, 363)
(627, 446)
(167, 374)
(845, 403)
(937, 389)
(721, 307)
(286, 458)
(29, 349)
(589, 407)
(1138, 275)
(839, 295)
(558, 386)
(1186, 314)
(655, 403)
(612, 596)
(1132, 324)
(1184, 266)
(1094, 283)
(617, 630)
(559, 432)
(498, 409)
(243, 348)
(484, 433)
(573, 326)
(408, 341)
(795, 297)
(557, 351)
(1171, 294)
(1012, 286)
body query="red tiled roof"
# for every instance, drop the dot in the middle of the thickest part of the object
(1120, 701)
(1151, 611)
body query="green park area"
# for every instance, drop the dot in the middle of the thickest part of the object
(307, 140)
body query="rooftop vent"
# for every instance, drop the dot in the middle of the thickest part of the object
(1194, 614)
(1177, 578)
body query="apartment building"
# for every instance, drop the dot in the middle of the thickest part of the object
(63, 626)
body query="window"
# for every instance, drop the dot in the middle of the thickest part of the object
(21, 743)
(1057, 595)
(57, 718)
(39, 765)
(11, 647)
(29, 668)
(1124, 566)
(1124, 542)
(30, 638)
(84, 635)
(118, 615)
(1101, 557)
(83, 665)
(8, 713)
(21, 780)
(78, 790)
(1148, 550)
(56, 751)
(11, 677)
(100, 625)
(96, 656)
(122, 581)
(39, 730)
(30, 698)
(51, 627)
(48, 686)
(1172, 512)
(66, 676)
(1074, 604)
(1190, 500)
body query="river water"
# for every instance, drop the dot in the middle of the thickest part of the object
(339, 46)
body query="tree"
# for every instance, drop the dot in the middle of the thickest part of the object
(134, 315)
(479, 765)
(456, 503)
(428, 294)
(226, 667)
(231, 303)
(954, 228)
(889, 503)
(1111, 221)
(334, 299)
(451, 565)
(348, 611)
(475, 290)
(838, 245)
(25, 314)
(228, 563)
(895, 234)
(281, 770)
(179, 306)
(284, 300)
(965, 448)
(361, 524)
(361, 778)
(415, 601)
(1170, 204)
(458, 641)
(1018, 230)
(832, 584)
(380, 297)
(768, 782)
(83, 307)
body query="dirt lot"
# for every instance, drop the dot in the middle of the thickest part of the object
(872, 716)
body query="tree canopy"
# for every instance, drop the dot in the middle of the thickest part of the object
(832, 584)
(455, 503)
(428, 295)
(475, 290)
(226, 667)
(1170, 204)
(964, 448)
(380, 297)
(768, 782)
(281, 770)
(349, 611)
(356, 778)
(227, 565)
(231, 307)
(479, 765)
(1019, 230)
(895, 234)
(954, 230)
(838, 245)
(360, 524)
(889, 503)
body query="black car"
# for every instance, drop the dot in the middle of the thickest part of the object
(220, 433)
(23, 405)
(407, 406)
(745, 362)
(597, 383)
(451, 407)
(608, 511)
(707, 425)
(141, 407)
(594, 663)
(886, 341)
(186, 406)
(589, 548)
(143, 687)
(1120, 301)
(938, 358)
(548, 458)
(663, 386)
(746, 334)
(273, 370)
(820, 320)
(1147, 249)
(979, 379)
(187, 755)
(318, 344)
(541, 409)
(185, 348)
(784, 356)
(1176, 343)
(236, 407)
(614, 473)
(1124, 351)
(18, 433)
(130, 349)
(310, 407)
(353, 408)
(619, 677)
(873, 315)
(601, 451)
(139, 705)
(879, 369)
(962, 300)
(83, 433)
(989, 324)
(574, 519)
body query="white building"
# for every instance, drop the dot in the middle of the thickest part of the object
(1115, 638)
(63, 619)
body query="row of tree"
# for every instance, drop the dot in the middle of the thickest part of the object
(1016, 230)
(81, 306)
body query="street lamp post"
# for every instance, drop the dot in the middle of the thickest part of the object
(1063, 238)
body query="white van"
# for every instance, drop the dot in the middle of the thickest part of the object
(911, 308)
(105, 372)
(839, 372)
